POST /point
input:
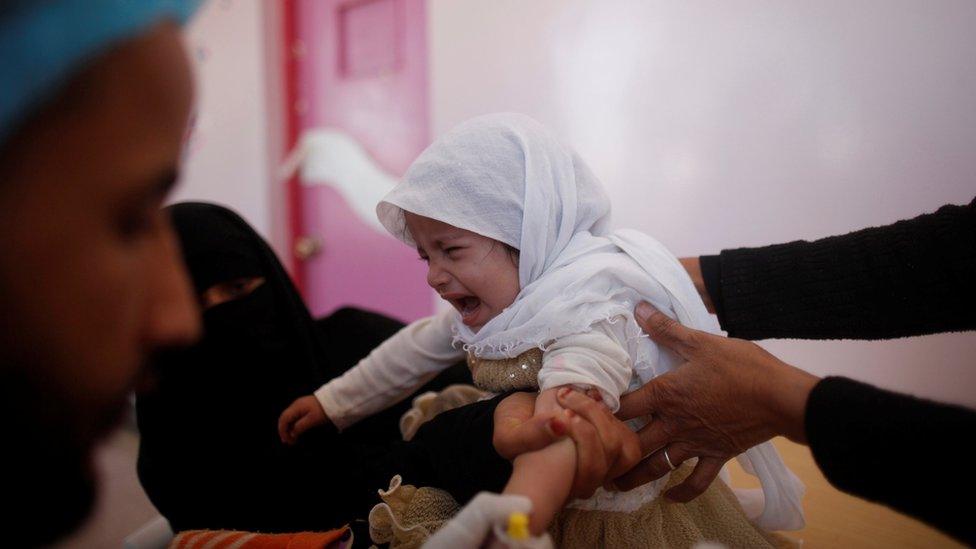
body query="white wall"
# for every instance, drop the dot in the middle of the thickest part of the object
(235, 136)
(724, 124)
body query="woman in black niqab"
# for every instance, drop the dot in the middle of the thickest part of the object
(210, 456)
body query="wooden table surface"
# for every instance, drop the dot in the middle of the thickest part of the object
(836, 519)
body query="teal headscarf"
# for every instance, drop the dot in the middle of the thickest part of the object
(44, 42)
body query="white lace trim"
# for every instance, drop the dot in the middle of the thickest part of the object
(623, 502)
(612, 313)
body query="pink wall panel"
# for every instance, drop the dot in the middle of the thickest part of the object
(369, 38)
(363, 69)
(359, 266)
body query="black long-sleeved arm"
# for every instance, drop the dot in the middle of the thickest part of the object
(911, 454)
(909, 278)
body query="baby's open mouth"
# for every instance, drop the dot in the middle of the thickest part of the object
(468, 306)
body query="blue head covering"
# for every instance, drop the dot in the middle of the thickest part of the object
(44, 42)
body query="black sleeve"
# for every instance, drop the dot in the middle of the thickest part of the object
(322, 482)
(908, 453)
(453, 451)
(331, 481)
(910, 278)
(461, 452)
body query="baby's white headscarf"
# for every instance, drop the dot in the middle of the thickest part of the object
(506, 177)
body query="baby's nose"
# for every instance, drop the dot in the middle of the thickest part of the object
(437, 277)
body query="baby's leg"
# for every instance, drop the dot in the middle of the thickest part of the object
(544, 476)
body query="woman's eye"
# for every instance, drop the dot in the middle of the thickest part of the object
(237, 288)
(134, 224)
(452, 250)
(229, 291)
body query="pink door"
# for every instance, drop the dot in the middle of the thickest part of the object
(360, 66)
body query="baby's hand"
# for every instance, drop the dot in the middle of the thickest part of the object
(302, 415)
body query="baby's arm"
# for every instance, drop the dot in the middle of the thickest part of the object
(392, 371)
(544, 476)
(597, 360)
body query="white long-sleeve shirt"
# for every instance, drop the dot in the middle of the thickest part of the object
(418, 352)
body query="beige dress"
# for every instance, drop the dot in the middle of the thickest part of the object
(409, 515)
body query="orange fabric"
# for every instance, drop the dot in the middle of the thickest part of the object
(225, 539)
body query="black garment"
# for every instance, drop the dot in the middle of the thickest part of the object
(49, 481)
(912, 454)
(210, 456)
(909, 278)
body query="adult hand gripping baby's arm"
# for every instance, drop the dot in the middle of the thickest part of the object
(605, 447)
(614, 449)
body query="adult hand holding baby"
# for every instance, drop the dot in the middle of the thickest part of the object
(300, 416)
(728, 396)
(606, 448)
